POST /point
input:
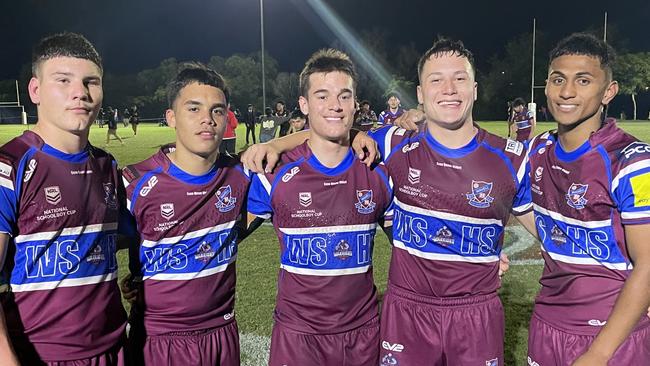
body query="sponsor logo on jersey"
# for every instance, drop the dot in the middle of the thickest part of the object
(541, 150)
(635, 148)
(414, 176)
(31, 167)
(304, 199)
(204, 253)
(342, 250)
(52, 195)
(167, 210)
(225, 200)
(110, 195)
(229, 316)
(96, 255)
(641, 189)
(480, 196)
(150, 184)
(444, 237)
(514, 147)
(5, 169)
(394, 347)
(364, 204)
(597, 323)
(557, 167)
(557, 236)
(538, 173)
(531, 362)
(410, 147)
(388, 360)
(492, 362)
(575, 196)
(288, 175)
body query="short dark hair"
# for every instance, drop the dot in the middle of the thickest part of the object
(297, 113)
(518, 101)
(364, 102)
(268, 111)
(195, 72)
(325, 61)
(392, 94)
(446, 46)
(64, 44)
(585, 44)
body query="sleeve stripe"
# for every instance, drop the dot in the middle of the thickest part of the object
(631, 215)
(627, 170)
(387, 141)
(265, 182)
(523, 208)
(125, 182)
(522, 169)
(4, 182)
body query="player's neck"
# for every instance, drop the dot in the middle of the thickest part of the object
(64, 141)
(329, 153)
(573, 136)
(393, 110)
(453, 138)
(192, 163)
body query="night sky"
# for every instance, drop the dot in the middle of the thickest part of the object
(132, 35)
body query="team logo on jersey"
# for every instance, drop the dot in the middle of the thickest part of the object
(538, 173)
(110, 196)
(414, 176)
(557, 236)
(575, 196)
(388, 360)
(53, 195)
(492, 362)
(225, 200)
(304, 199)
(204, 253)
(150, 184)
(364, 204)
(167, 210)
(31, 167)
(342, 250)
(96, 255)
(480, 196)
(288, 175)
(444, 237)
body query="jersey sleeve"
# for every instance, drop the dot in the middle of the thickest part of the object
(259, 197)
(523, 200)
(126, 223)
(387, 138)
(381, 118)
(631, 189)
(8, 195)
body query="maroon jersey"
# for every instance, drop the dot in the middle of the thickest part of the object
(325, 219)
(450, 209)
(582, 200)
(188, 227)
(523, 119)
(61, 211)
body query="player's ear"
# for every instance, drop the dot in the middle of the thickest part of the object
(610, 92)
(170, 116)
(33, 88)
(420, 97)
(304, 105)
(475, 91)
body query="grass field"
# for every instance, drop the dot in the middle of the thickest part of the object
(257, 263)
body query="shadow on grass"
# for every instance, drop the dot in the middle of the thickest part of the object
(518, 311)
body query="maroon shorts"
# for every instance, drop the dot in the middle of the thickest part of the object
(209, 347)
(551, 346)
(357, 347)
(112, 357)
(523, 134)
(420, 330)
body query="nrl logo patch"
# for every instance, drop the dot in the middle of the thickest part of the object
(304, 198)
(364, 204)
(538, 173)
(167, 210)
(414, 176)
(225, 200)
(575, 196)
(480, 196)
(52, 195)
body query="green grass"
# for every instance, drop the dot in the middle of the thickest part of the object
(257, 264)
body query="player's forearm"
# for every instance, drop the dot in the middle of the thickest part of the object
(289, 142)
(7, 354)
(631, 305)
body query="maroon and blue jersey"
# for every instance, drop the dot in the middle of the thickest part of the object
(188, 226)
(523, 119)
(450, 209)
(582, 201)
(387, 117)
(61, 212)
(325, 219)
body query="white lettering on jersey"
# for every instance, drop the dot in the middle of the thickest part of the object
(531, 362)
(395, 347)
(635, 148)
(410, 147)
(597, 323)
(555, 167)
(514, 146)
(31, 167)
(5, 169)
(287, 177)
(228, 316)
(150, 184)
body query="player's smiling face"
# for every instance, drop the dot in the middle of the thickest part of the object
(199, 116)
(576, 89)
(329, 104)
(447, 90)
(68, 93)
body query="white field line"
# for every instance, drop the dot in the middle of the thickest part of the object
(254, 349)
